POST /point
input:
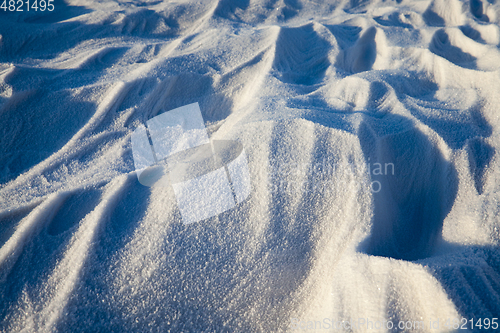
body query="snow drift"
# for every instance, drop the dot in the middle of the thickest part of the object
(370, 128)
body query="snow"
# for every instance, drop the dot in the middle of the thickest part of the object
(369, 130)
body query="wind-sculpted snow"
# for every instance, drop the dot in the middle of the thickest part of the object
(370, 129)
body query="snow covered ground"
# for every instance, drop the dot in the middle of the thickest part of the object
(370, 128)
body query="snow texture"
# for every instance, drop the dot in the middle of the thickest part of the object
(370, 128)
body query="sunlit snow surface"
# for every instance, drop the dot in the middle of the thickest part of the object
(316, 92)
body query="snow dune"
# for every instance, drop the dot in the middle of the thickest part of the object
(370, 128)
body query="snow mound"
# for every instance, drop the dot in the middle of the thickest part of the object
(370, 130)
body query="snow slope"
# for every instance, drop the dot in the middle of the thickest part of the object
(320, 93)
